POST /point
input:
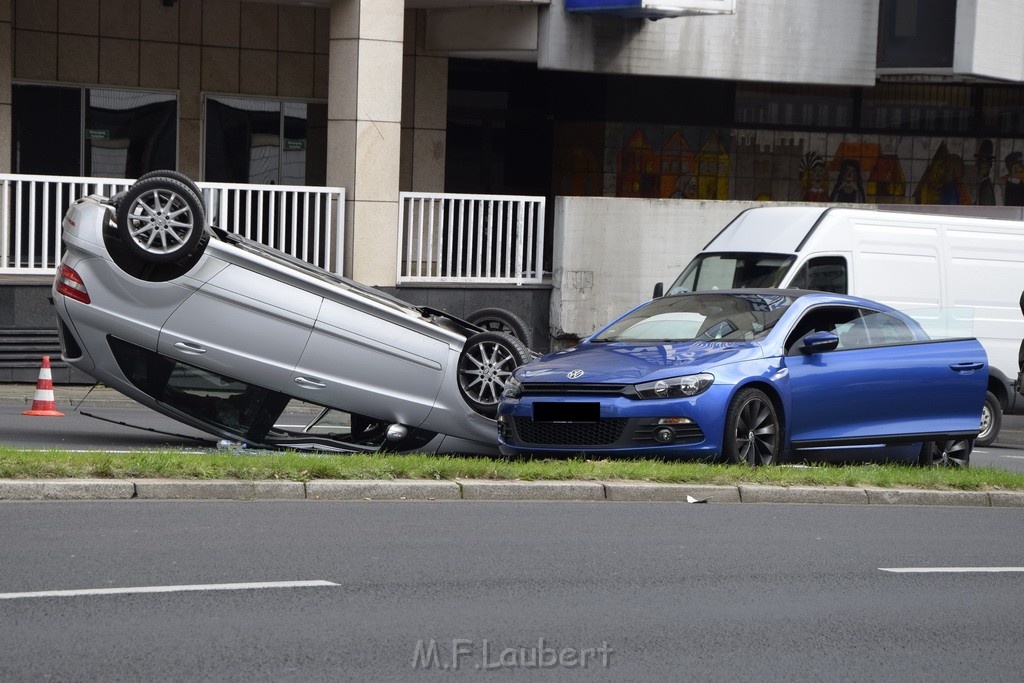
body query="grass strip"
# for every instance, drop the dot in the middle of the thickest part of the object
(267, 465)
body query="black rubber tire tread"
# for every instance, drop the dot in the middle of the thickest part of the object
(734, 448)
(180, 177)
(502, 320)
(995, 421)
(481, 375)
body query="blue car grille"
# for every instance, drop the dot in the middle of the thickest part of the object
(600, 433)
(611, 432)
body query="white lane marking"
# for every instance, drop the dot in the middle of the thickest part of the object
(167, 589)
(949, 570)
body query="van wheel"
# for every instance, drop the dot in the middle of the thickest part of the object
(160, 220)
(485, 365)
(991, 420)
(500, 320)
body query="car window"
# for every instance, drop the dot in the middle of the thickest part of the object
(855, 327)
(823, 273)
(727, 316)
(884, 328)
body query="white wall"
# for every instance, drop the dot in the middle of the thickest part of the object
(989, 39)
(609, 253)
(789, 41)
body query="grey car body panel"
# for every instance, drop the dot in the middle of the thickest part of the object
(225, 328)
(253, 316)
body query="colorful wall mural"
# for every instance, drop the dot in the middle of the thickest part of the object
(638, 160)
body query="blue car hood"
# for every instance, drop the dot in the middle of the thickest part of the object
(629, 363)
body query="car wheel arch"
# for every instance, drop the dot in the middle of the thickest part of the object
(772, 392)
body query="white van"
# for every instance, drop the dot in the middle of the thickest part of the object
(957, 275)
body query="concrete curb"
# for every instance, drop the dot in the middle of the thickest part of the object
(483, 490)
(382, 490)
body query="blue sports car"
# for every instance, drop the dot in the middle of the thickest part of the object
(752, 376)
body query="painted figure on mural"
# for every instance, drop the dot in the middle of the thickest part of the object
(685, 187)
(814, 177)
(1013, 192)
(849, 188)
(951, 188)
(983, 159)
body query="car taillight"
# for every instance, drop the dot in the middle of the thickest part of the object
(69, 283)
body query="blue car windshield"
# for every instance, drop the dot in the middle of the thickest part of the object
(701, 316)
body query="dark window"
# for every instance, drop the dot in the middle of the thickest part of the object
(117, 134)
(242, 409)
(46, 130)
(795, 105)
(919, 108)
(128, 133)
(824, 273)
(916, 33)
(265, 142)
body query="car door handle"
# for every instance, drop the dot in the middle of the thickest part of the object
(189, 348)
(966, 367)
(309, 383)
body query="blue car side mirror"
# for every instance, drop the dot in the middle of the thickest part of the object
(818, 342)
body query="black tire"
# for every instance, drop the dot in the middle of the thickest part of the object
(991, 420)
(485, 364)
(753, 433)
(160, 220)
(500, 320)
(952, 453)
(175, 175)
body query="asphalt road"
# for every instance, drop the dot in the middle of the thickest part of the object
(427, 590)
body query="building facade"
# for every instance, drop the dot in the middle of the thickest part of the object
(867, 101)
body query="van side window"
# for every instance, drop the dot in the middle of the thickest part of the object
(824, 273)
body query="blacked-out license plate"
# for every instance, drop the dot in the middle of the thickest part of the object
(567, 412)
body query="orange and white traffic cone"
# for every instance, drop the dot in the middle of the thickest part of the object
(43, 402)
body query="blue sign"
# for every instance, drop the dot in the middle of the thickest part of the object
(652, 9)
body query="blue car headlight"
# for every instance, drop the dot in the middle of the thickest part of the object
(675, 387)
(513, 388)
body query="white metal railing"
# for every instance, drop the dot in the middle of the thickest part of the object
(467, 238)
(306, 222)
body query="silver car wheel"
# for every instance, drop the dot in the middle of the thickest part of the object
(160, 222)
(160, 219)
(486, 363)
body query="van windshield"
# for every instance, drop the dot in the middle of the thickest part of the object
(732, 271)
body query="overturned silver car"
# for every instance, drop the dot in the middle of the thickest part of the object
(224, 334)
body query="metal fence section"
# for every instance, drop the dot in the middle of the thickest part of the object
(306, 222)
(458, 238)
(31, 210)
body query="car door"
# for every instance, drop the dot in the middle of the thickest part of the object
(244, 325)
(880, 383)
(374, 363)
